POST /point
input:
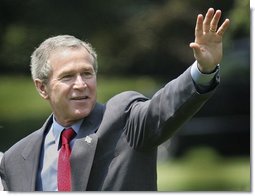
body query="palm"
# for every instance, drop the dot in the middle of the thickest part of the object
(210, 49)
(208, 43)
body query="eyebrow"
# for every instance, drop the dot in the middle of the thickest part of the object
(65, 72)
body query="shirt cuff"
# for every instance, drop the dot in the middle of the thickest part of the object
(200, 78)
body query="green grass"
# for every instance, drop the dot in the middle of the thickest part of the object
(108, 87)
(19, 98)
(204, 170)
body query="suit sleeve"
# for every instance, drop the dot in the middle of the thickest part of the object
(2, 176)
(153, 121)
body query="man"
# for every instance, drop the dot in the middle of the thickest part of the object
(113, 146)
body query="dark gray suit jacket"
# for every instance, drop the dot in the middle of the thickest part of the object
(124, 134)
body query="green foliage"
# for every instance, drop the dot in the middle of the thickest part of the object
(240, 25)
(131, 37)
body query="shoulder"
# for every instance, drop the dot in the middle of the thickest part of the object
(121, 104)
(125, 100)
(127, 97)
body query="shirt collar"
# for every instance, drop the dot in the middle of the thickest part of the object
(57, 128)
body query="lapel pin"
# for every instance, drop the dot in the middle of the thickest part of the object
(88, 139)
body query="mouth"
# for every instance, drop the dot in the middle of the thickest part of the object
(80, 98)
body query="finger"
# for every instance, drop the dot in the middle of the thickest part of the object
(207, 20)
(196, 49)
(199, 25)
(215, 21)
(194, 45)
(223, 27)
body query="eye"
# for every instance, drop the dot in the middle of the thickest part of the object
(66, 77)
(88, 74)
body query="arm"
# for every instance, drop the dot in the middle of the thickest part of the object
(151, 122)
(1, 185)
(2, 176)
(154, 121)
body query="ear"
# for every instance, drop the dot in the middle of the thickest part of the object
(41, 88)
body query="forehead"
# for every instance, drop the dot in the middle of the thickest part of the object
(70, 52)
(70, 56)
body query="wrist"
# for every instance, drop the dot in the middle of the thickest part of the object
(206, 70)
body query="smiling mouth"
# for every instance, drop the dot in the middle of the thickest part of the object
(80, 98)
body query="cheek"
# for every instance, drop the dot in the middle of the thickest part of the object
(59, 93)
(94, 85)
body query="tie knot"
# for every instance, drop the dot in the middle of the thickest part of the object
(67, 135)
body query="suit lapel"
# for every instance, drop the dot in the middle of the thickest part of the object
(84, 149)
(31, 157)
(82, 160)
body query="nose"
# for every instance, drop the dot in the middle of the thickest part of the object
(79, 82)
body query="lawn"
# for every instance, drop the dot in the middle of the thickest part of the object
(19, 98)
(204, 170)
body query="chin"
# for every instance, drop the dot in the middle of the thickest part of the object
(82, 114)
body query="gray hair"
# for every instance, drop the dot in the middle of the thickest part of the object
(41, 69)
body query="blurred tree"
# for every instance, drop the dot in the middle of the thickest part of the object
(150, 37)
(240, 26)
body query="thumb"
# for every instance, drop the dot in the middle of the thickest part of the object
(196, 49)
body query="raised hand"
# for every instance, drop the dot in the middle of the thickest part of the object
(207, 47)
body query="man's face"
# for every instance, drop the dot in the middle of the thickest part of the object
(71, 89)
